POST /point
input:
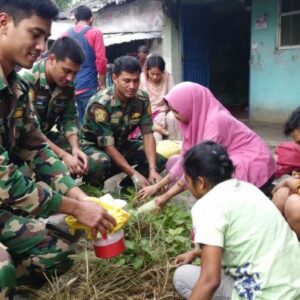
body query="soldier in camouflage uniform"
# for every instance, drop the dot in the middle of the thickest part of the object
(27, 249)
(53, 97)
(111, 115)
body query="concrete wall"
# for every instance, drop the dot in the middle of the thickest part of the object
(275, 73)
(171, 49)
(137, 16)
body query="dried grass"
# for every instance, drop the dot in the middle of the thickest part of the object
(91, 278)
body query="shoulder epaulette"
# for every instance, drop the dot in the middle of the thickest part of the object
(142, 95)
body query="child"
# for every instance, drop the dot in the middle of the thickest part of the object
(247, 249)
(286, 197)
(286, 194)
(288, 153)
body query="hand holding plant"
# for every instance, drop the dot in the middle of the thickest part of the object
(148, 191)
(187, 257)
(161, 201)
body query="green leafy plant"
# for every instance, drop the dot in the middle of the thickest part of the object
(91, 190)
(143, 271)
(152, 238)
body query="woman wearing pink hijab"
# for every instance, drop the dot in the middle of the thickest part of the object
(202, 117)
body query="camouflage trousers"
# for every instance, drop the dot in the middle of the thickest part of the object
(27, 252)
(101, 166)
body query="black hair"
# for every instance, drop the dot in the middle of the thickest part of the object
(66, 47)
(127, 64)
(155, 61)
(143, 49)
(83, 13)
(293, 122)
(24, 9)
(209, 160)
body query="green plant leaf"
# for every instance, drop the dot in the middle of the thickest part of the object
(179, 230)
(130, 245)
(181, 239)
(138, 262)
(121, 262)
(169, 239)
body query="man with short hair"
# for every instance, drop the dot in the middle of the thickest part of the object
(53, 97)
(110, 117)
(91, 76)
(28, 250)
(143, 52)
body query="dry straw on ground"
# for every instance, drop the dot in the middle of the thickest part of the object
(143, 272)
(91, 279)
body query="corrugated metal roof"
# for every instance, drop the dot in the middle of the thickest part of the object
(119, 38)
(94, 5)
(58, 29)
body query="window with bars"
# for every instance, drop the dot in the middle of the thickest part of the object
(290, 23)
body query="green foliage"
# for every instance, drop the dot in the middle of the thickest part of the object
(143, 271)
(154, 239)
(151, 239)
(63, 4)
(91, 190)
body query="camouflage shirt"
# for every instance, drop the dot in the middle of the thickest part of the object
(107, 122)
(22, 141)
(52, 106)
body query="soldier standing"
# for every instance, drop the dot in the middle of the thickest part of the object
(53, 97)
(27, 249)
(111, 115)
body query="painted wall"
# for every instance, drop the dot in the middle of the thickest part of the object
(171, 49)
(275, 73)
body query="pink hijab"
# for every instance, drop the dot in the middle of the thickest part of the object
(208, 119)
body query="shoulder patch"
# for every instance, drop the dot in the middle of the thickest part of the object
(31, 94)
(100, 115)
(18, 113)
(135, 115)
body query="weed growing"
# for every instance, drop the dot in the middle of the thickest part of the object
(143, 271)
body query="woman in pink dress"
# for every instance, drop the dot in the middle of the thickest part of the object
(202, 117)
(157, 82)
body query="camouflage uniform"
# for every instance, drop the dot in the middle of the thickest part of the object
(30, 248)
(107, 122)
(55, 107)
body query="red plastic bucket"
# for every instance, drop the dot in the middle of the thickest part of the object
(112, 246)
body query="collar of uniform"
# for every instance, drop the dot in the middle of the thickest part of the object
(41, 68)
(115, 101)
(10, 81)
(3, 80)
